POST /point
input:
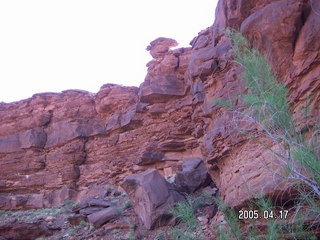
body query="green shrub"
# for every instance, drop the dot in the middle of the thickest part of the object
(266, 105)
(84, 224)
(118, 211)
(185, 212)
(231, 218)
(69, 203)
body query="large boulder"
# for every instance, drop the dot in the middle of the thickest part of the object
(152, 197)
(160, 46)
(193, 176)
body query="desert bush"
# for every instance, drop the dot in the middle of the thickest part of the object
(185, 212)
(267, 107)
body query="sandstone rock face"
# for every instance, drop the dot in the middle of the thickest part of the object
(152, 197)
(165, 79)
(57, 146)
(236, 163)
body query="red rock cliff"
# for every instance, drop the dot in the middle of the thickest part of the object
(57, 146)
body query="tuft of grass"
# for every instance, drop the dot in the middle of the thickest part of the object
(84, 224)
(110, 189)
(127, 204)
(29, 215)
(119, 211)
(69, 204)
(231, 219)
(185, 212)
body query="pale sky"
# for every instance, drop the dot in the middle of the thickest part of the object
(50, 46)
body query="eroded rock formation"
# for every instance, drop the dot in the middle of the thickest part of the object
(57, 146)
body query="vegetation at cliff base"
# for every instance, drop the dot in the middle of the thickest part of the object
(185, 213)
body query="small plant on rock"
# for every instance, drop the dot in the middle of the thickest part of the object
(69, 204)
(118, 211)
(127, 204)
(84, 224)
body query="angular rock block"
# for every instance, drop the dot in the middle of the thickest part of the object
(152, 197)
(97, 219)
(193, 176)
(90, 210)
(161, 88)
(148, 158)
(92, 203)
